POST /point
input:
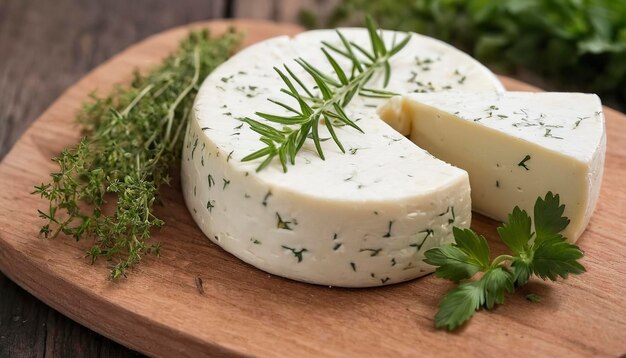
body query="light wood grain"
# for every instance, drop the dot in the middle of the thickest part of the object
(243, 311)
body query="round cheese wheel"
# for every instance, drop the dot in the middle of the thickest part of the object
(356, 219)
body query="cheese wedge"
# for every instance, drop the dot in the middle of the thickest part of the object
(363, 218)
(516, 146)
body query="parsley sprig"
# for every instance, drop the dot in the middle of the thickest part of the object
(544, 253)
(132, 139)
(586, 37)
(334, 93)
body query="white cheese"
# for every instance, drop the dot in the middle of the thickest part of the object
(515, 146)
(363, 218)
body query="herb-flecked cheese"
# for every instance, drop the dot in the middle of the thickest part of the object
(363, 218)
(516, 146)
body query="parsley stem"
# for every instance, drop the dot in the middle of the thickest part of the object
(500, 259)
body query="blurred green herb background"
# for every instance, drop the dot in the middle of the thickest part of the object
(569, 45)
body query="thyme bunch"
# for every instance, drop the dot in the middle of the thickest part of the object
(132, 138)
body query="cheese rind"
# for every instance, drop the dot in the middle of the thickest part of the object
(363, 218)
(516, 146)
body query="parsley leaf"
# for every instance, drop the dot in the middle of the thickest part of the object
(460, 304)
(533, 297)
(521, 271)
(549, 219)
(496, 281)
(474, 245)
(453, 264)
(545, 253)
(556, 257)
(516, 231)
(461, 260)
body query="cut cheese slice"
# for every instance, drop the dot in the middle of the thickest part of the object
(363, 218)
(516, 146)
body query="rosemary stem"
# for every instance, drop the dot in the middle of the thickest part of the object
(358, 82)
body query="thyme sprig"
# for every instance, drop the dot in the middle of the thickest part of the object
(326, 106)
(132, 138)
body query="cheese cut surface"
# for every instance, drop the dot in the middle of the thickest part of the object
(516, 146)
(363, 218)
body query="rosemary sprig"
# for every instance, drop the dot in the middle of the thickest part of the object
(334, 94)
(133, 136)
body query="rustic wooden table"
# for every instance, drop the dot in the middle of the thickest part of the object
(46, 46)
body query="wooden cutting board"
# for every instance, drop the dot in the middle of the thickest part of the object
(159, 309)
